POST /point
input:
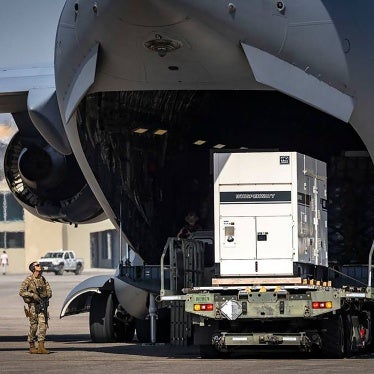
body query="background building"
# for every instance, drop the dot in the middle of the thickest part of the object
(25, 237)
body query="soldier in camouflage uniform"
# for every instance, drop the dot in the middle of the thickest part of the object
(36, 292)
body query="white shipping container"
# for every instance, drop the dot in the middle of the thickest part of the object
(270, 213)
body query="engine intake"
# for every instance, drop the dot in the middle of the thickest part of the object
(48, 184)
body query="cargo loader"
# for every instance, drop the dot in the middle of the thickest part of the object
(269, 285)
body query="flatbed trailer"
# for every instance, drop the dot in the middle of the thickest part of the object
(337, 322)
(248, 313)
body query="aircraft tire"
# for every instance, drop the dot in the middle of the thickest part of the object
(123, 323)
(124, 332)
(143, 332)
(101, 318)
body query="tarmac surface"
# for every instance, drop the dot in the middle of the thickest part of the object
(72, 351)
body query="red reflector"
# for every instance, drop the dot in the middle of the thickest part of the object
(209, 307)
(315, 305)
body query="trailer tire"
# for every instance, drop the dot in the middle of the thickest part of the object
(370, 330)
(332, 335)
(348, 335)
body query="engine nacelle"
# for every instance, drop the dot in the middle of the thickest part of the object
(48, 184)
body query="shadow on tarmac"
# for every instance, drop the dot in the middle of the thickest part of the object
(55, 338)
(82, 343)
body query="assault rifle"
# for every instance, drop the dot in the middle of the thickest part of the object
(41, 306)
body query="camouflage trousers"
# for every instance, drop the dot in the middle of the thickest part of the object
(37, 321)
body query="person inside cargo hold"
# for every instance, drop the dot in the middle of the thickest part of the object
(191, 226)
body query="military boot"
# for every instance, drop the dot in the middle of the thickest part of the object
(33, 348)
(41, 348)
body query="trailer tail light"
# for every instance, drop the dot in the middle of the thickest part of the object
(203, 307)
(322, 304)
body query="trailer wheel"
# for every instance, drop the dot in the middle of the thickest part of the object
(332, 336)
(101, 318)
(348, 335)
(367, 323)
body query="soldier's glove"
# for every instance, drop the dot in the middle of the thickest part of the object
(36, 297)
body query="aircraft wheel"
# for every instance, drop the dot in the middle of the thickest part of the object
(124, 332)
(143, 332)
(101, 318)
(123, 323)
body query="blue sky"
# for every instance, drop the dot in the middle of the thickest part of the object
(27, 32)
